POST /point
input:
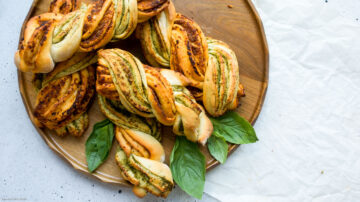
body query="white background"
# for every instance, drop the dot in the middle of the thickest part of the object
(309, 128)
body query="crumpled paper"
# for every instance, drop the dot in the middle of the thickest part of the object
(309, 126)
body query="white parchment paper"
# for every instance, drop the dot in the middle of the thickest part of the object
(309, 127)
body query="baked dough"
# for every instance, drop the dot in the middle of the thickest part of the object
(34, 52)
(222, 88)
(65, 95)
(67, 35)
(152, 92)
(145, 174)
(149, 8)
(154, 36)
(189, 51)
(63, 6)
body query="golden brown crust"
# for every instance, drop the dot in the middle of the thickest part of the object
(160, 96)
(139, 143)
(87, 29)
(189, 51)
(63, 100)
(75, 128)
(140, 88)
(154, 36)
(105, 85)
(126, 79)
(129, 78)
(63, 6)
(126, 18)
(139, 192)
(99, 25)
(222, 88)
(145, 174)
(149, 8)
(159, 92)
(191, 120)
(34, 52)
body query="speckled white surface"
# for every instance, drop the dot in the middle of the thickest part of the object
(309, 127)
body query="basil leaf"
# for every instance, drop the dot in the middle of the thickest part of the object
(99, 143)
(234, 128)
(218, 148)
(187, 166)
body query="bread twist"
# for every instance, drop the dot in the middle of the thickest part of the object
(145, 174)
(154, 36)
(207, 61)
(145, 94)
(34, 51)
(152, 92)
(222, 88)
(55, 36)
(141, 155)
(65, 95)
(189, 51)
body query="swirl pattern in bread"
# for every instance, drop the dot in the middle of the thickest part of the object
(141, 90)
(67, 35)
(149, 8)
(34, 53)
(222, 88)
(53, 37)
(153, 92)
(63, 99)
(145, 174)
(154, 36)
(189, 51)
(63, 6)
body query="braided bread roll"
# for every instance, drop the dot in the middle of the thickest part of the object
(191, 119)
(34, 53)
(154, 36)
(147, 95)
(145, 174)
(149, 8)
(189, 51)
(63, 100)
(106, 20)
(201, 59)
(152, 92)
(222, 88)
(139, 139)
(127, 20)
(53, 37)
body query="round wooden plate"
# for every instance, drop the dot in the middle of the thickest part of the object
(237, 24)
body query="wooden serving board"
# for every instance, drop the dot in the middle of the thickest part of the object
(239, 26)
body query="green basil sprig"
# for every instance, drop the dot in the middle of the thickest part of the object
(234, 129)
(187, 165)
(99, 143)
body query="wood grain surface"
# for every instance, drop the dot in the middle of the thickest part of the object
(239, 26)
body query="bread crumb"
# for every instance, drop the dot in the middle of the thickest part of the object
(230, 6)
